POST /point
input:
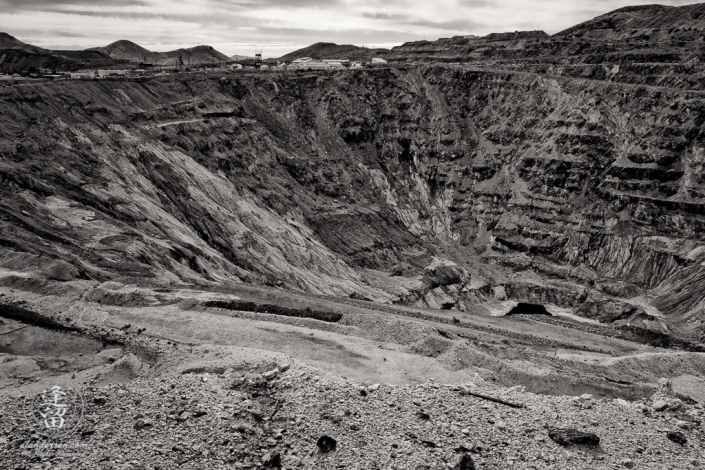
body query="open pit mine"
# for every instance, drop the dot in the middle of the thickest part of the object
(487, 253)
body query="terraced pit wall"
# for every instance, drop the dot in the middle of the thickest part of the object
(303, 181)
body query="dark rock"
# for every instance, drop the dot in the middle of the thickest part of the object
(358, 296)
(677, 437)
(273, 461)
(444, 275)
(100, 400)
(564, 437)
(142, 423)
(423, 415)
(465, 463)
(326, 443)
(428, 443)
(609, 310)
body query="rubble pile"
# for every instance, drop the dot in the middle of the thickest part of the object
(282, 416)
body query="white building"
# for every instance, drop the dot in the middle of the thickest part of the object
(111, 73)
(301, 61)
(355, 65)
(307, 63)
(236, 67)
(378, 61)
(83, 74)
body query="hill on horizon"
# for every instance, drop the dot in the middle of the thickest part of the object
(127, 50)
(329, 50)
(658, 20)
(198, 55)
(8, 41)
(132, 52)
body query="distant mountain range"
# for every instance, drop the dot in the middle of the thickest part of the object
(131, 52)
(17, 56)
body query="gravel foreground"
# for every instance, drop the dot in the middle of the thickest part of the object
(272, 415)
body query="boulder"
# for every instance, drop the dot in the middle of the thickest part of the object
(269, 375)
(677, 437)
(326, 443)
(271, 461)
(465, 463)
(444, 273)
(566, 436)
(609, 311)
(142, 424)
(689, 386)
(659, 405)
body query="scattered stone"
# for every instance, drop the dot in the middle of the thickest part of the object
(372, 388)
(465, 463)
(269, 375)
(326, 443)
(272, 461)
(665, 387)
(677, 437)
(283, 368)
(143, 423)
(566, 436)
(628, 463)
(659, 405)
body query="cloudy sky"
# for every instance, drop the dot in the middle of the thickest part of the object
(280, 26)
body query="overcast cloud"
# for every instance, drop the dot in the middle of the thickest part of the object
(280, 26)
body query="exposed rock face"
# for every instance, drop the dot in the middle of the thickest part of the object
(555, 188)
(609, 311)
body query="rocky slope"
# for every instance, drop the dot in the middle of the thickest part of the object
(221, 412)
(169, 380)
(536, 169)
(587, 200)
